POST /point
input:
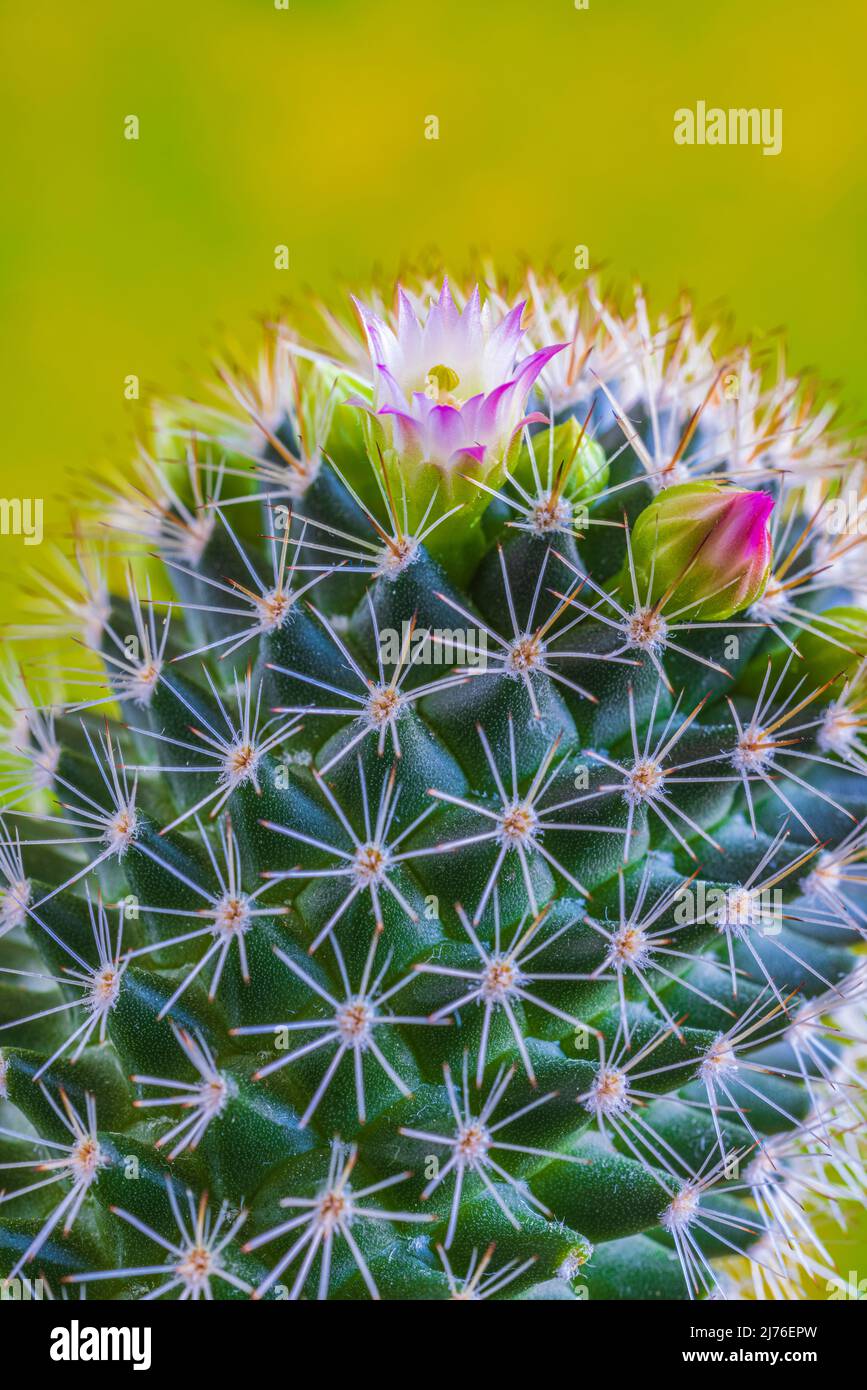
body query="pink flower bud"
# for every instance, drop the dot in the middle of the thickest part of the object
(705, 549)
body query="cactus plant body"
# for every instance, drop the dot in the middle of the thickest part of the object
(433, 863)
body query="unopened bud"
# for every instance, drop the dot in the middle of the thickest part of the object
(570, 466)
(704, 549)
(835, 646)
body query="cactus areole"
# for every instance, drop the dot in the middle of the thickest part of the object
(433, 853)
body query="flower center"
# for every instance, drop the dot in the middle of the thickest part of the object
(441, 383)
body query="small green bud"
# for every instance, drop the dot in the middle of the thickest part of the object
(583, 462)
(836, 646)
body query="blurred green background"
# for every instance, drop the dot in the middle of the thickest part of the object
(305, 126)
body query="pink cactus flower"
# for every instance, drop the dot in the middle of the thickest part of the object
(450, 386)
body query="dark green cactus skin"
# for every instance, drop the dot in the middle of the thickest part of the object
(579, 1229)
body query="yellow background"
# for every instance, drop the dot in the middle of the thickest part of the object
(305, 126)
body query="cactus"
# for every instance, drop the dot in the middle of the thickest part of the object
(432, 863)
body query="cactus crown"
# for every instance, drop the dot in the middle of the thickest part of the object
(442, 878)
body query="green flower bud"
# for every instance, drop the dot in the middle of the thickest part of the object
(835, 648)
(583, 461)
(703, 549)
